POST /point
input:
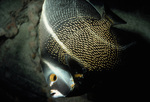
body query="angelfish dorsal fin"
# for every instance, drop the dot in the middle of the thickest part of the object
(112, 16)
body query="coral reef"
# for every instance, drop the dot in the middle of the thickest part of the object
(20, 68)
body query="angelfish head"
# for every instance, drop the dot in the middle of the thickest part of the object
(59, 79)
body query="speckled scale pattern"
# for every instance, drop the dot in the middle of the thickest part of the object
(89, 41)
(58, 11)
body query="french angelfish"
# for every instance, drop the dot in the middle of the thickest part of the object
(75, 40)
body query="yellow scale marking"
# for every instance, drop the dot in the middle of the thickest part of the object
(89, 41)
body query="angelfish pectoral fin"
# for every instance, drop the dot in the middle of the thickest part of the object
(78, 75)
(76, 68)
(71, 62)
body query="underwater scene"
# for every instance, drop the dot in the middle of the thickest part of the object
(74, 50)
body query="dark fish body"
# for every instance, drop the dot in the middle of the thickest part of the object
(72, 30)
(85, 36)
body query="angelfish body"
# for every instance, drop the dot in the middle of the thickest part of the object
(74, 30)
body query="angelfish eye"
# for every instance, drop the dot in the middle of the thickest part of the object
(53, 77)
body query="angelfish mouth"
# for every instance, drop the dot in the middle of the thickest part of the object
(56, 93)
(64, 91)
